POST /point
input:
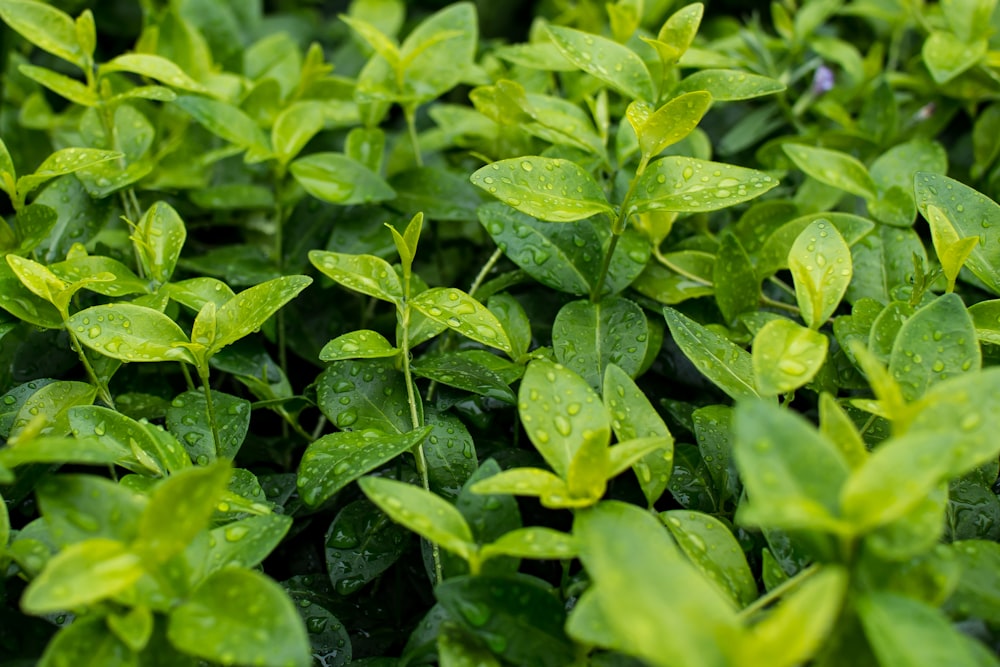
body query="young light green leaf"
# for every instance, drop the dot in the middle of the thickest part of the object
(673, 615)
(155, 451)
(39, 279)
(551, 189)
(362, 273)
(248, 310)
(131, 333)
(361, 344)
(898, 476)
(712, 548)
(634, 417)
(92, 272)
(679, 31)
(153, 67)
(614, 64)
(338, 179)
(421, 511)
(78, 507)
(793, 475)
(938, 342)
(833, 168)
(88, 642)
(4, 524)
(728, 366)
(45, 26)
(587, 337)
(550, 489)
(952, 249)
(46, 411)
(690, 185)
(62, 85)
(294, 127)
(727, 85)
(437, 54)
(820, 261)
(670, 123)
(558, 428)
(59, 450)
(179, 508)
(837, 426)
(82, 574)
(337, 459)
(793, 632)
(947, 56)
(239, 616)
(786, 356)
(531, 542)
(459, 311)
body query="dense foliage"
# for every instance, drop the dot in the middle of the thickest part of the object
(651, 333)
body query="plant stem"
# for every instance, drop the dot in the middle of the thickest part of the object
(617, 229)
(411, 126)
(411, 397)
(485, 271)
(102, 389)
(210, 408)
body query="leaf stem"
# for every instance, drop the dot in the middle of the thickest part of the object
(411, 126)
(485, 271)
(210, 408)
(102, 388)
(775, 593)
(617, 229)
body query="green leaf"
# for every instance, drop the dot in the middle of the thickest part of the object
(153, 67)
(459, 311)
(456, 370)
(672, 616)
(952, 251)
(160, 236)
(87, 643)
(946, 55)
(154, 451)
(895, 169)
(46, 412)
(551, 189)
(62, 85)
(82, 574)
(587, 337)
(248, 310)
(179, 508)
(938, 342)
(516, 616)
(908, 633)
(337, 459)
(883, 260)
(361, 544)
(239, 616)
(793, 475)
(4, 524)
(727, 85)
(728, 366)
(78, 507)
(364, 394)
(897, 477)
(131, 333)
(690, 185)
(821, 265)
(986, 317)
(439, 51)
(84, 270)
(976, 592)
(64, 161)
(47, 27)
(421, 511)
(187, 420)
(786, 356)
(514, 320)
(362, 273)
(225, 121)
(839, 428)
(532, 542)
(246, 542)
(53, 449)
(737, 289)
(457, 649)
(560, 412)
(550, 489)
(795, 631)
(657, 129)
(610, 62)
(833, 168)
(712, 548)
(361, 344)
(969, 214)
(338, 179)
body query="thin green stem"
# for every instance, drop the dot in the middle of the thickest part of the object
(617, 229)
(595, 294)
(485, 271)
(781, 305)
(776, 592)
(102, 388)
(210, 408)
(187, 376)
(411, 128)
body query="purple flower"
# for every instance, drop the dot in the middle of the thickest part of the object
(823, 80)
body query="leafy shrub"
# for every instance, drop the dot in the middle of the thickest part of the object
(721, 389)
